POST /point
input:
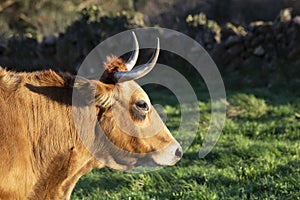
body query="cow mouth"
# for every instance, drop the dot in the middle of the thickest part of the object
(147, 163)
(150, 162)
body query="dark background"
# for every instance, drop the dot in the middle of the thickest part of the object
(248, 38)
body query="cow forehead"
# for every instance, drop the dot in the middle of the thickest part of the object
(131, 91)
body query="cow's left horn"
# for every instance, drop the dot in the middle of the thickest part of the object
(140, 71)
(135, 54)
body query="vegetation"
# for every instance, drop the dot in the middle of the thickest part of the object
(38, 18)
(256, 157)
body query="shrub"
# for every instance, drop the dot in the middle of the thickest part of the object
(244, 105)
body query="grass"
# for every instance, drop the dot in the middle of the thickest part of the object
(256, 157)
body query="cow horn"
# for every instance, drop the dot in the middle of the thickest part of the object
(140, 71)
(134, 55)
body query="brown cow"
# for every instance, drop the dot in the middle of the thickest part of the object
(56, 127)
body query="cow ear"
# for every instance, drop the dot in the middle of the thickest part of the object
(82, 91)
(91, 91)
(103, 93)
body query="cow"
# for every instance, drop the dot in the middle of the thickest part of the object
(56, 127)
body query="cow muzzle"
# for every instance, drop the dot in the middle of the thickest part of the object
(168, 156)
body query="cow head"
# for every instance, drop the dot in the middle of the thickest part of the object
(129, 130)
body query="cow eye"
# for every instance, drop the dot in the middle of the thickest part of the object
(142, 105)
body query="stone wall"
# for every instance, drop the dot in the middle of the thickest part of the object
(231, 46)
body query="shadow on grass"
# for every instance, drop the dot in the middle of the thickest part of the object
(102, 179)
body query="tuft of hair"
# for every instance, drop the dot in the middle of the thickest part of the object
(48, 78)
(9, 80)
(114, 64)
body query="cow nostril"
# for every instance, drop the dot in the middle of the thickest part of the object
(178, 153)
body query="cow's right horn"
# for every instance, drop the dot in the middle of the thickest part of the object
(135, 54)
(140, 71)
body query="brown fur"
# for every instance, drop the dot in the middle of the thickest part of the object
(114, 64)
(40, 151)
(111, 66)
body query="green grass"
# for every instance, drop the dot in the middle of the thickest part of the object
(256, 157)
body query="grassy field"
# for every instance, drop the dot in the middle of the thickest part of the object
(256, 157)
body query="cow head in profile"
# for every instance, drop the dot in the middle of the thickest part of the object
(129, 128)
